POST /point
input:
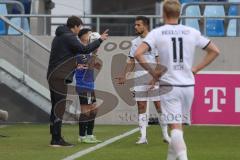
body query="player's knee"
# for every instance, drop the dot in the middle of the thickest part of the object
(158, 108)
(83, 117)
(141, 107)
(175, 126)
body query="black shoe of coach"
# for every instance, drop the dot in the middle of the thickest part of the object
(60, 143)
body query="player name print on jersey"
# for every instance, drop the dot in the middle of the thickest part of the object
(175, 32)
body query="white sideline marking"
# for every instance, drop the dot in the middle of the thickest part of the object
(100, 145)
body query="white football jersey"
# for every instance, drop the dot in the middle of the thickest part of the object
(176, 47)
(149, 56)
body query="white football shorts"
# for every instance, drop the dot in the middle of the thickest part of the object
(176, 105)
(144, 93)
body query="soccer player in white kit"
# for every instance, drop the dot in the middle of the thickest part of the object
(176, 45)
(141, 92)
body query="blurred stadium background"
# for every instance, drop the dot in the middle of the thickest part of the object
(26, 30)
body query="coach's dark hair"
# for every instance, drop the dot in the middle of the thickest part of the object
(74, 21)
(145, 20)
(83, 31)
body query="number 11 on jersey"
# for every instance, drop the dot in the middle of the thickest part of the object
(180, 51)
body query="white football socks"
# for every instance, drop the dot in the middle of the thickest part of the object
(142, 121)
(178, 144)
(164, 128)
(171, 153)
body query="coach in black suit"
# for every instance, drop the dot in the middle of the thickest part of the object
(62, 62)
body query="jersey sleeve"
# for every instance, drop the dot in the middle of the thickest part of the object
(155, 52)
(132, 50)
(202, 42)
(150, 40)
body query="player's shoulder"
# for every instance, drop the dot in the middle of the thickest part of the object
(191, 29)
(158, 30)
(178, 27)
(136, 39)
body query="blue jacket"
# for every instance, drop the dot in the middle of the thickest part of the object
(84, 77)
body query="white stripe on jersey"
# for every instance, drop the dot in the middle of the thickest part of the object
(176, 47)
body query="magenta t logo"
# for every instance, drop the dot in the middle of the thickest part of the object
(237, 99)
(215, 97)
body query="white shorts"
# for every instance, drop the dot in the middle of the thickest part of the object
(143, 93)
(176, 105)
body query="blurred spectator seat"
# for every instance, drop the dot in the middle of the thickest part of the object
(3, 11)
(17, 22)
(214, 10)
(27, 5)
(15, 10)
(214, 26)
(233, 1)
(233, 10)
(193, 11)
(188, 1)
(232, 24)
(214, 0)
(232, 28)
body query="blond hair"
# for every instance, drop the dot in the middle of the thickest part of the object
(172, 8)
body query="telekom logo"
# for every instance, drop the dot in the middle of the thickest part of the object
(216, 102)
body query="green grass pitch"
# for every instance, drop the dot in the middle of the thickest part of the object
(30, 142)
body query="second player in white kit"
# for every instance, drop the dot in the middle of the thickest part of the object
(141, 92)
(177, 54)
(176, 45)
(141, 76)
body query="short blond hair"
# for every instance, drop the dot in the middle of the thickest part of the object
(172, 8)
